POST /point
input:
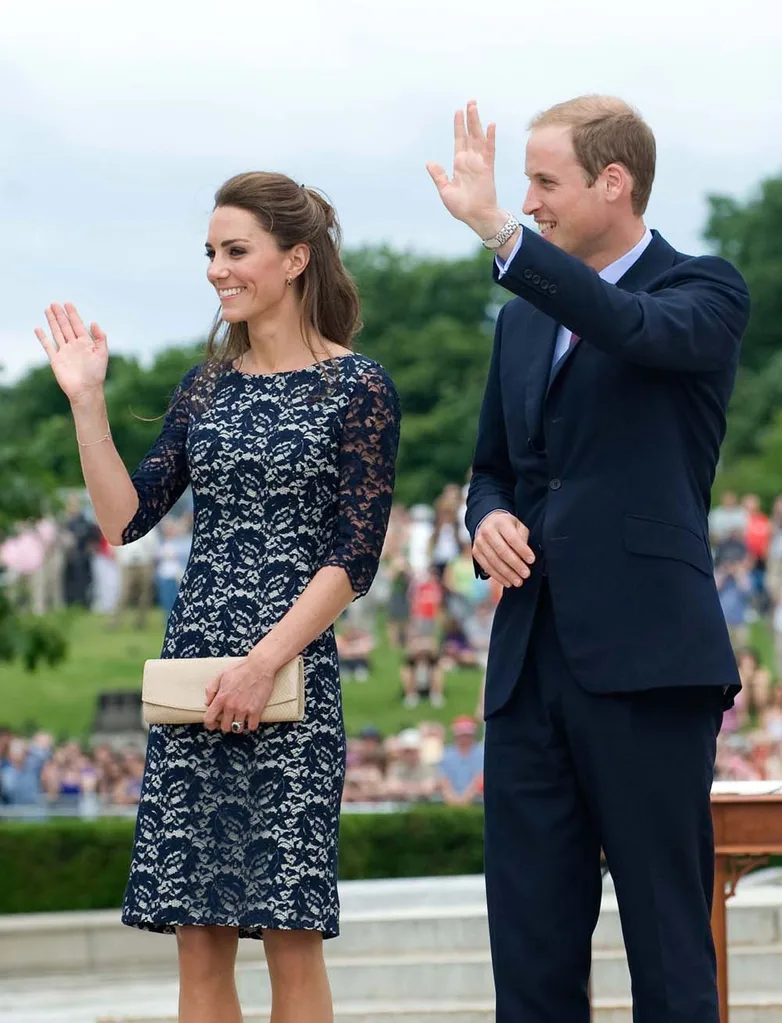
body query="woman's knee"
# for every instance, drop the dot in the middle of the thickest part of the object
(207, 948)
(293, 953)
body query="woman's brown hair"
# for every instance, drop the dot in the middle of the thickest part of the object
(293, 214)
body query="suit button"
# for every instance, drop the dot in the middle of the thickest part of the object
(554, 484)
(544, 284)
(552, 289)
(536, 279)
(527, 274)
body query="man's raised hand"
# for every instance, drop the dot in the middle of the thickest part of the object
(502, 550)
(470, 195)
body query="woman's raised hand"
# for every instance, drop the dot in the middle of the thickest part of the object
(79, 357)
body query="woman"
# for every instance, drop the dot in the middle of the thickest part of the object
(289, 440)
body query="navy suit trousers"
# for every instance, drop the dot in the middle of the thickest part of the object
(567, 773)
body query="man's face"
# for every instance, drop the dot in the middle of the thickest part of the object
(571, 214)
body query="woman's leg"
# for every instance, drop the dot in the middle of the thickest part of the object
(300, 985)
(207, 986)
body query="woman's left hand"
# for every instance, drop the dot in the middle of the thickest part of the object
(239, 694)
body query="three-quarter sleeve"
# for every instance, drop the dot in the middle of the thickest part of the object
(367, 466)
(162, 476)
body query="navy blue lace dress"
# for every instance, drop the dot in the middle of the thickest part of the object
(290, 472)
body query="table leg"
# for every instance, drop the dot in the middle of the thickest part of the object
(719, 928)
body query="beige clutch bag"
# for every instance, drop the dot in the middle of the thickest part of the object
(174, 689)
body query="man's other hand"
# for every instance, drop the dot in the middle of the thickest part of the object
(502, 550)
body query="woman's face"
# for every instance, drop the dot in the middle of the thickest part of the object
(247, 268)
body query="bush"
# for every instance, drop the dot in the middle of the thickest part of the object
(66, 864)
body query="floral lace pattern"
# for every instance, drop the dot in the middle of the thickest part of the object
(290, 472)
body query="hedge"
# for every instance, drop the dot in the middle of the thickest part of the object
(67, 864)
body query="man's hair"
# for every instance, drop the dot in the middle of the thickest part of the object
(607, 130)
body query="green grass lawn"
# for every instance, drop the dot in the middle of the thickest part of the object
(62, 699)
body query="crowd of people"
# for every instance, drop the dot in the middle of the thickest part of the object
(38, 776)
(65, 561)
(437, 616)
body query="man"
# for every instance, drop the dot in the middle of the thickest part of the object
(461, 769)
(610, 661)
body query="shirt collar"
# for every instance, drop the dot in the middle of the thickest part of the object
(619, 267)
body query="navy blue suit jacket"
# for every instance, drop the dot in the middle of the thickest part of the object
(610, 463)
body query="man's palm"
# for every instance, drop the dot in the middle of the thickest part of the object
(471, 192)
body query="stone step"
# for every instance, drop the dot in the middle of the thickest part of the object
(151, 998)
(759, 1009)
(42, 942)
(468, 975)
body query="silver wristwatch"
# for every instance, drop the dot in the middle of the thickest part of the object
(509, 228)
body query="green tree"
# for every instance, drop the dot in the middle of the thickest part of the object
(749, 234)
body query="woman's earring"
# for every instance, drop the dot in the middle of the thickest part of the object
(290, 282)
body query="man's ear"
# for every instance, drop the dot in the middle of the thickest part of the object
(617, 182)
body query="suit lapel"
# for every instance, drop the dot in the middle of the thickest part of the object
(658, 257)
(542, 339)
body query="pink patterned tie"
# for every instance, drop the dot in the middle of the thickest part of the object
(574, 339)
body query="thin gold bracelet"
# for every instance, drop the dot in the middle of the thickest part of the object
(92, 443)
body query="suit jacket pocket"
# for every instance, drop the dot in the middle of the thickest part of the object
(660, 539)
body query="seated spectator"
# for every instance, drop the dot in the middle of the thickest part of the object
(21, 775)
(422, 671)
(456, 649)
(432, 742)
(127, 791)
(409, 779)
(365, 780)
(461, 769)
(354, 648)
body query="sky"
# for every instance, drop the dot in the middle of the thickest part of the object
(119, 122)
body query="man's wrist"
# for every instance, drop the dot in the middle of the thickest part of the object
(489, 222)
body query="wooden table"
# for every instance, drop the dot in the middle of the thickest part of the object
(747, 830)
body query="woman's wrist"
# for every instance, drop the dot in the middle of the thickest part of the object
(89, 401)
(264, 660)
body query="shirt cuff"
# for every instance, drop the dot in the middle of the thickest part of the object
(503, 264)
